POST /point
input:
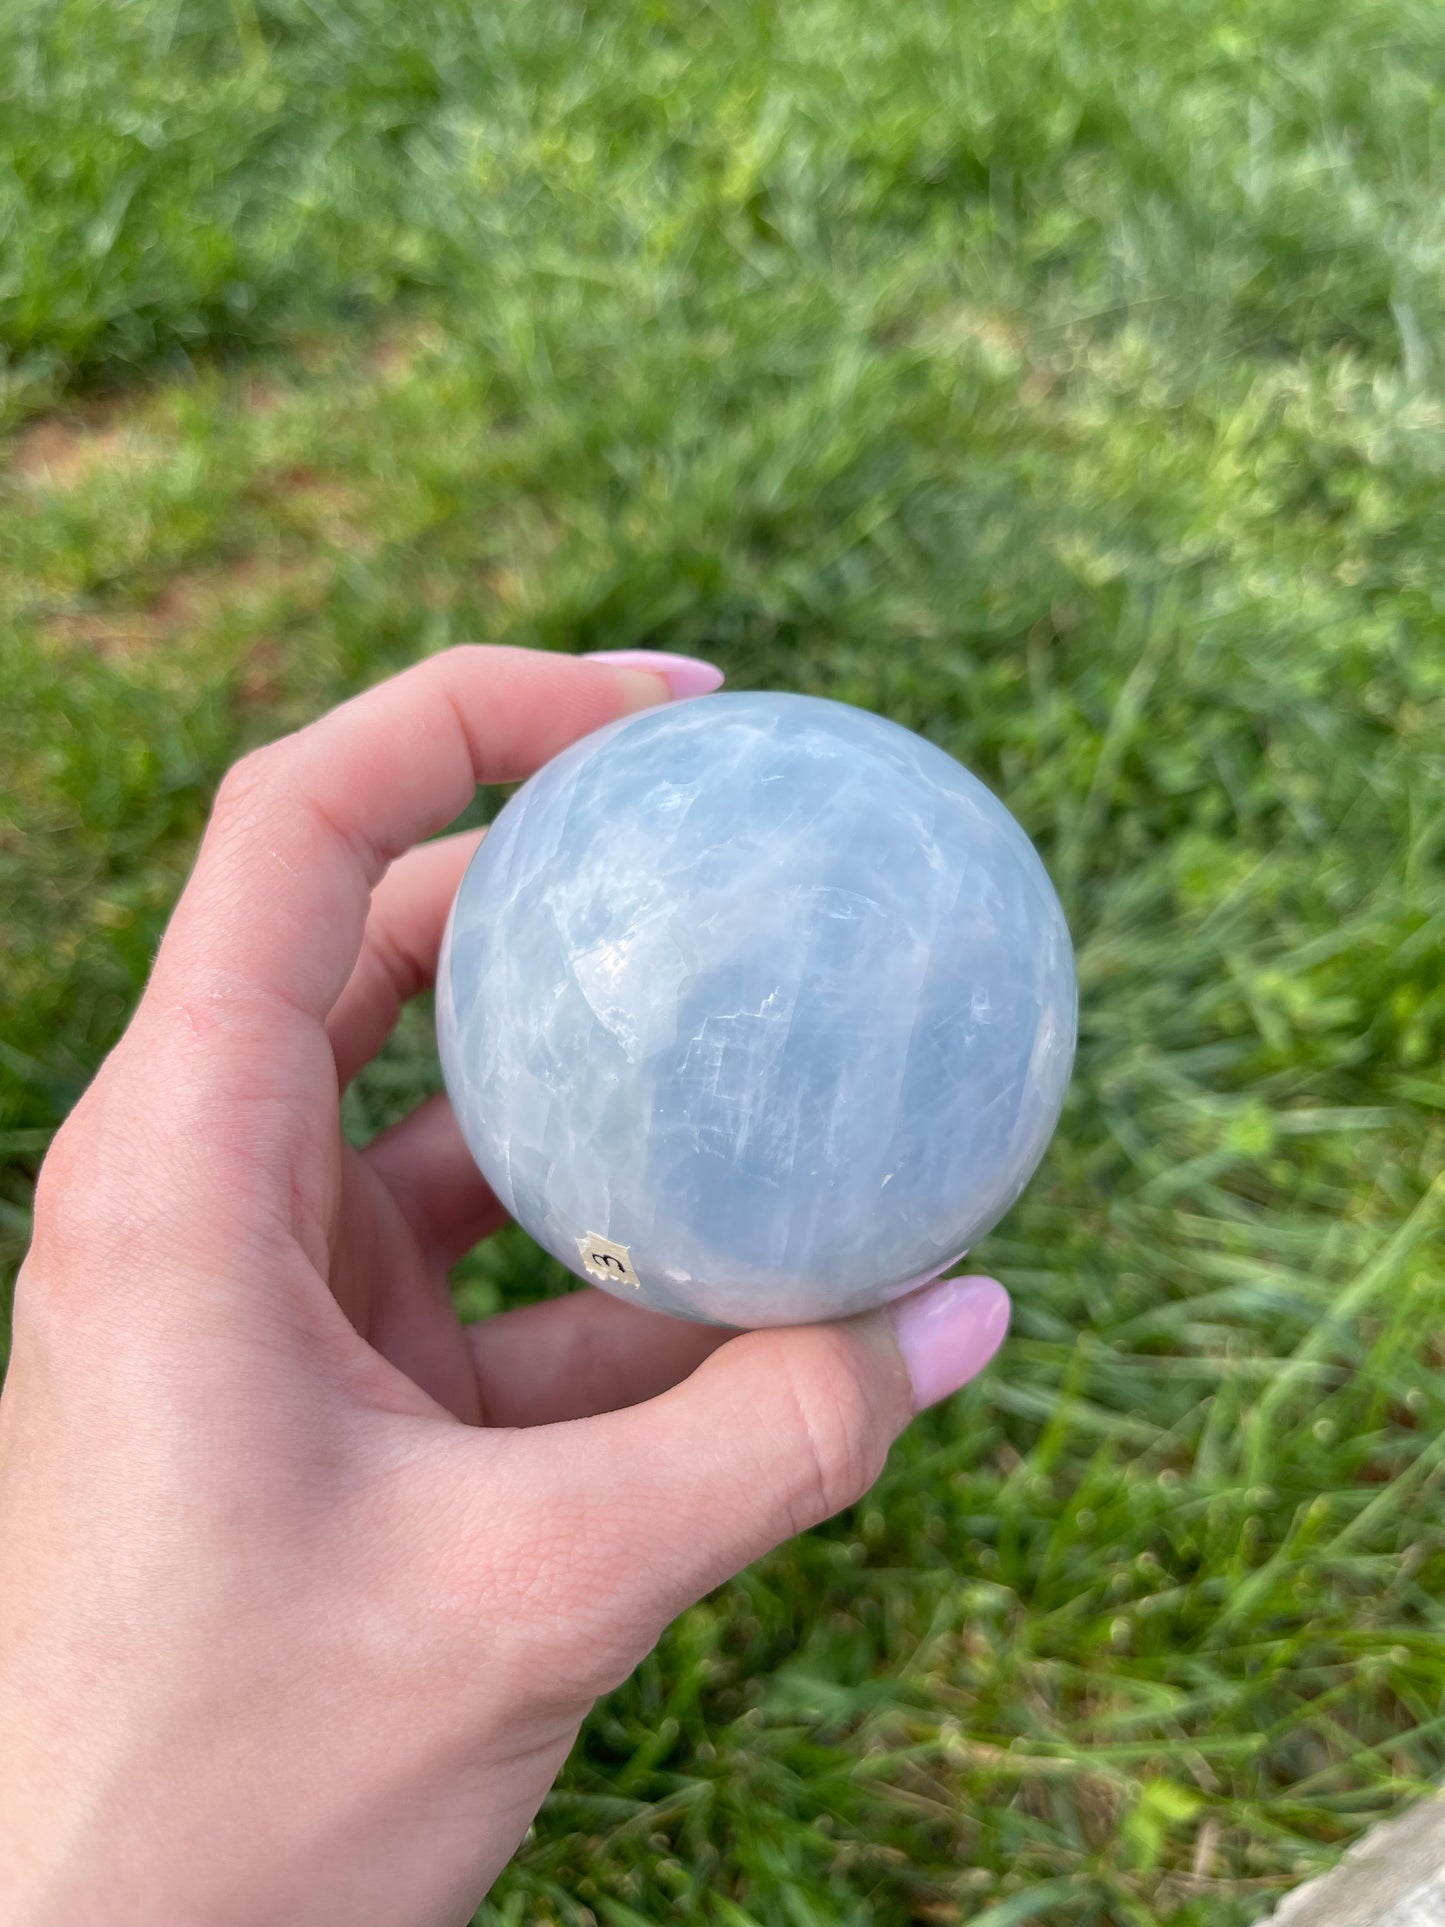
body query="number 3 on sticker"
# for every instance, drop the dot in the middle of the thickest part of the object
(607, 1261)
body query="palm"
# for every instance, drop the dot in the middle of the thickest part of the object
(395, 1291)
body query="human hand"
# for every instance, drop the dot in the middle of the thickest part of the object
(305, 1588)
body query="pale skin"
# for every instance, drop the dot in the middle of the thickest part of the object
(305, 1588)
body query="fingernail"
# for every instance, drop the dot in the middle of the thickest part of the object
(948, 1332)
(684, 675)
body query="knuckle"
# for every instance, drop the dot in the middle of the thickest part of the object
(104, 1231)
(247, 782)
(72, 1241)
(68, 1209)
(839, 1444)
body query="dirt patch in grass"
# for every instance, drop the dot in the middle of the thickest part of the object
(392, 358)
(321, 504)
(63, 452)
(192, 601)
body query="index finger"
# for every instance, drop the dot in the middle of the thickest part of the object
(304, 828)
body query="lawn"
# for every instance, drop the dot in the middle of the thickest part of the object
(1067, 382)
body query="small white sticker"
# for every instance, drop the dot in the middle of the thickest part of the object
(607, 1261)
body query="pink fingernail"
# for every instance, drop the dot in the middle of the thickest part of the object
(684, 675)
(948, 1332)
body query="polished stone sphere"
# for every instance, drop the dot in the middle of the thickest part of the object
(756, 1008)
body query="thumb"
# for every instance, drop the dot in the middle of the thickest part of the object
(774, 1432)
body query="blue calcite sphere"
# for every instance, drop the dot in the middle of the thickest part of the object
(756, 1008)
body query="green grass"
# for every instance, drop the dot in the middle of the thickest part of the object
(1066, 382)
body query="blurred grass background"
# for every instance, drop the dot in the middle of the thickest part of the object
(1064, 381)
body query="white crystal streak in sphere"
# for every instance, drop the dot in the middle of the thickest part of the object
(761, 1003)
